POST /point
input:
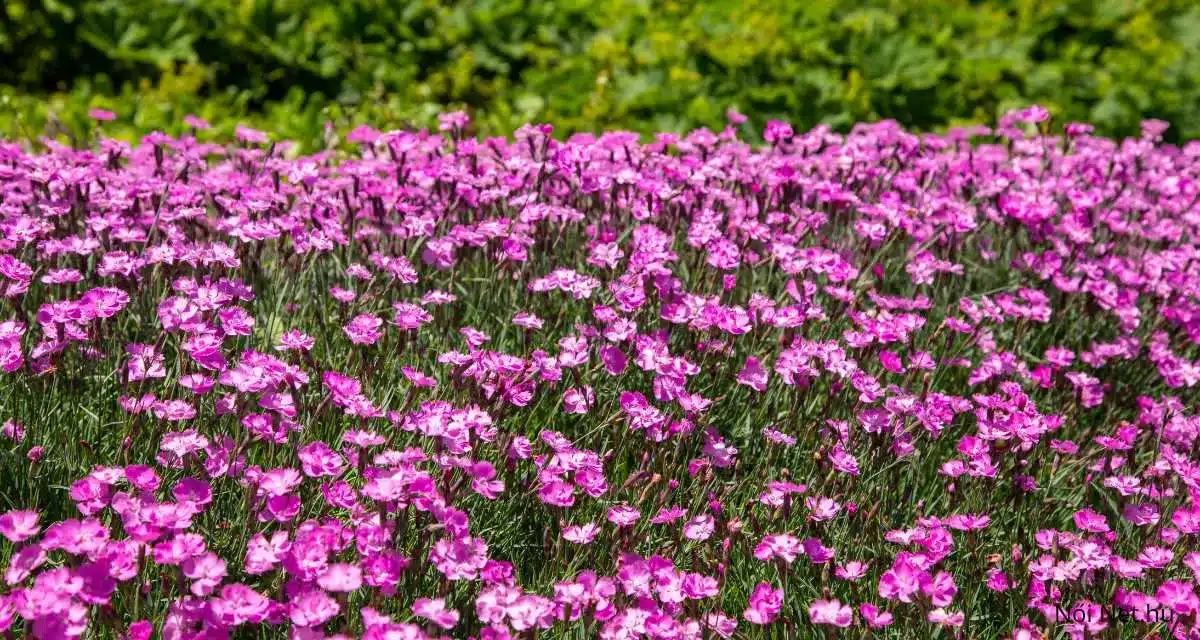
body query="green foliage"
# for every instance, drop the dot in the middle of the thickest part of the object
(592, 64)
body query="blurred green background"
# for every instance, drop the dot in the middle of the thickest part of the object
(292, 65)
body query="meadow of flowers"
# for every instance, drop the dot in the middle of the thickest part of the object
(421, 385)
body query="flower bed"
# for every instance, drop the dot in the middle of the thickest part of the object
(424, 385)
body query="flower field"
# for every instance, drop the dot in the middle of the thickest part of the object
(424, 385)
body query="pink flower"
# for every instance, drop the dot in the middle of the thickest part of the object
(721, 624)
(851, 571)
(13, 431)
(196, 122)
(946, 618)
(317, 460)
(557, 493)
(436, 612)
(23, 563)
(1034, 114)
(891, 362)
(1089, 520)
(312, 608)
(821, 509)
(418, 379)
(940, 588)
(623, 515)
(777, 437)
(252, 136)
(753, 375)
(578, 400)
(410, 316)
(780, 546)
(199, 384)
(527, 320)
(1179, 596)
(998, 581)
(817, 552)
(901, 582)
(294, 340)
(454, 120)
(721, 454)
(581, 534)
(765, 604)
(830, 612)
(206, 572)
(144, 362)
(364, 329)
(140, 630)
(239, 604)
(1142, 515)
(699, 528)
(475, 338)
(459, 558)
(341, 577)
(875, 618)
(614, 359)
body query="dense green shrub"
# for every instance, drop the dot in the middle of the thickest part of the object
(588, 64)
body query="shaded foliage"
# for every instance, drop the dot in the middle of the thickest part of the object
(583, 65)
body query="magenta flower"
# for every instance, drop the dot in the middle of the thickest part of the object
(364, 329)
(196, 122)
(459, 559)
(700, 528)
(623, 515)
(418, 379)
(436, 612)
(817, 552)
(902, 581)
(780, 546)
(252, 136)
(578, 400)
(874, 617)
(13, 431)
(527, 320)
(753, 375)
(581, 534)
(410, 316)
(206, 572)
(765, 604)
(239, 604)
(830, 612)
(942, 617)
(341, 577)
(312, 609)
(140, 630)
(1089, 520)
(614, 360)
(851, 571)
(939, 588)
(317, 460)
(294, 340)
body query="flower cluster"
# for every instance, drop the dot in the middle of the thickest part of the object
(419, 385)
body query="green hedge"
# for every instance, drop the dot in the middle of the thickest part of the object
(591, 64)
